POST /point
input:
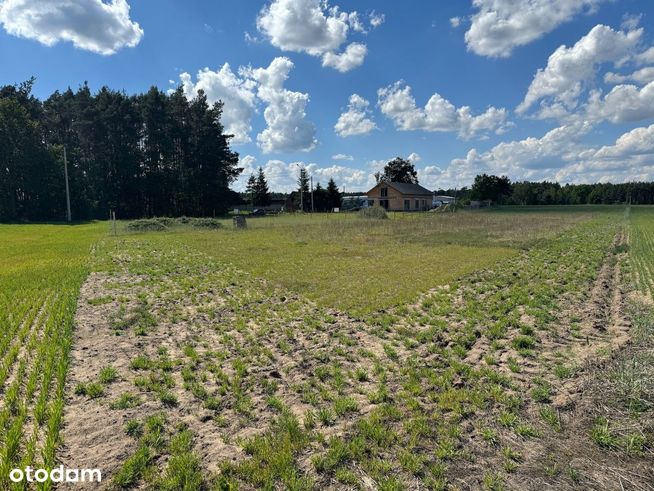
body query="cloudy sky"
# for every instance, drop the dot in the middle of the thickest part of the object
(533, 89)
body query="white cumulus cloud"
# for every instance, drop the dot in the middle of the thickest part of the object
(641, 76)
(347, 178)
(282, 176)
(315, 28)
(352, 57)
(376, 19)
(631, 158)
(455, 21)
(288, 129)
(639, 141)
(560, 155)
(499, 26)
(355, 120)
(439, 114)
(237, 94)
(645, 57)
(623, 104)
(568, 69)
(92, 25)
(248, 164)
(531, 158)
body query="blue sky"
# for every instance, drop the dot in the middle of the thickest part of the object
(533, 89)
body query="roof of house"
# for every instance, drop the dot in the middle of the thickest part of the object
(408, 188)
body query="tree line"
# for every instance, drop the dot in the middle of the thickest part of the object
(257, 193)
(161, 154)
(150, 154)
(500, 190)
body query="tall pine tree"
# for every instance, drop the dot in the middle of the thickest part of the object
(333, 196)
(251, 189)
(262, 194)
(143, 155)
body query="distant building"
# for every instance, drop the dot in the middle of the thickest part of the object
(400, 196)
(354, 202)
(440, 200)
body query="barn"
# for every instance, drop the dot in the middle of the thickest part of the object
(400, 196)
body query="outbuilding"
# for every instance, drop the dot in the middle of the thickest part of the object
(440, 200)
(400, 196)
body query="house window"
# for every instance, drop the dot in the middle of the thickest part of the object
(384, 203)
(417, 204)
(424, 204)
(371, 202)
(384, 192)
(407, 204)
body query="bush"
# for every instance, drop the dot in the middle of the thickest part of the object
(373, 212)
(160, 224)
(146, 225)
(210, 223)
(166, 221)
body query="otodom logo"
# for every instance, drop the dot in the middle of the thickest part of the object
(56, 475)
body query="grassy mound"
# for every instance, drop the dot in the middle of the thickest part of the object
(210, 223)
(160, 224)
(147, 225)
(376, 212)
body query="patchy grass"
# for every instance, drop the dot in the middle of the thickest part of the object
(311, 396)
(266, 376)
(362, 266)
(625, 392)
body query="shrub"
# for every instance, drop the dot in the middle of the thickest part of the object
(146, 225)
(373, 212)
(166, 221)
(160, 224)
(210, 223)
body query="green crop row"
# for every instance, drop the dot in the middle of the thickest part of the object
(41, 270)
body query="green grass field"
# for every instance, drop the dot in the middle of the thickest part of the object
(41, 270)
(446, 351)
(643, 247)
(363, 266)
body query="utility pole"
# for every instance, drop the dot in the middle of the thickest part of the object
(68, 215)
(301, 189)
(311, 179)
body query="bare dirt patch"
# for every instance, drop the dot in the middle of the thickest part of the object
(224, 355)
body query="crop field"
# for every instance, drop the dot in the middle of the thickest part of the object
(643, 248)
(41, 270)
(507, 349)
